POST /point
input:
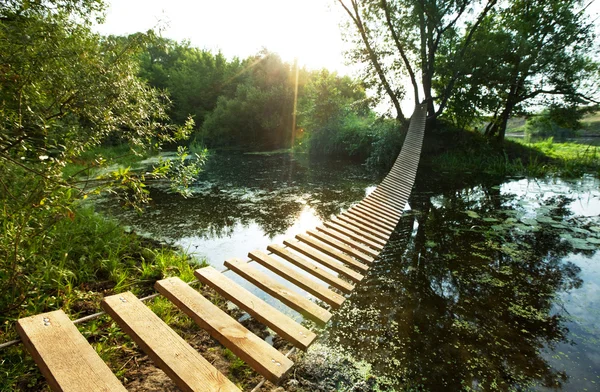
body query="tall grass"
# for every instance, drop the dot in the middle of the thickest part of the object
(80, 260)
(538, 159)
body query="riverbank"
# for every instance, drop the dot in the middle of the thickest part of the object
(83, 259)
(453, 151)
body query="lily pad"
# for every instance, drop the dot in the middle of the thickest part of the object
(529, 221)
(472, 214)
(581, 244)
(545, 219)
(490, 220)
(580, 230)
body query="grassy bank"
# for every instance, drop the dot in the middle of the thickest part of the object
(450, 150)
(82, 260)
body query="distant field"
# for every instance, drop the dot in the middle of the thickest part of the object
(590, 121)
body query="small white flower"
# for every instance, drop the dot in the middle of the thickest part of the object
(43, 157)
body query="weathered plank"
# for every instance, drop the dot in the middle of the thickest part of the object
(283, 325)
(290, 298)
(183, 364)
(345, 244)
(352, 234)
(64, 356)
(302, 281)
(324, 260)
(311, 268)
(257, 353)
(330, 251)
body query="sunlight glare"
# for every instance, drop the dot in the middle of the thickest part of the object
(306, 29)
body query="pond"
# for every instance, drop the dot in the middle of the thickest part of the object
(487, 284)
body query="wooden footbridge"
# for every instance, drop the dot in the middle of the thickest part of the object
(338, 254)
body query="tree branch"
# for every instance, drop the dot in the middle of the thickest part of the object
(400, 48)
(372, 56)
(446, 94)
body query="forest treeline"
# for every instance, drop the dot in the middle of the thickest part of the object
(248, 104)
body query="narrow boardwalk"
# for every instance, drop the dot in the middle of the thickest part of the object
(337, 254)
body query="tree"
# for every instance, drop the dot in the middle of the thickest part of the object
(546, 55)
(477, 57)
(193, 78)
(403, 37)
(259, 114)
(63, 90)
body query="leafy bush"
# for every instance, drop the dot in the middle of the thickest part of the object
(389, 137)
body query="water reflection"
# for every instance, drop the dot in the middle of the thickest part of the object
(465, 295)
(242, 202)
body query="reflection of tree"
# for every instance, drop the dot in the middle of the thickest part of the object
(458, 304)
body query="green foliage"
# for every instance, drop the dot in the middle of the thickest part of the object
(193, 78)
(524, 53)
(258, 115)
(65, 92)
(77, 254)
(476, 59)
(389, 137)
(544, 125)
(450, 150)
(334, 113)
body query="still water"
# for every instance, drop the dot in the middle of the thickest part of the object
(489, 284)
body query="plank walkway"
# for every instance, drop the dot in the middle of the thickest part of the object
(326, 263)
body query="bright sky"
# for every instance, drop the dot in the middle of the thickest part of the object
(307, 29)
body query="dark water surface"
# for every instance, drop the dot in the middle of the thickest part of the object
(486, 285)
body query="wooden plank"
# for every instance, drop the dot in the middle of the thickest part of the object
(369, 230)
(402, 183)
(311, 268)
(330, 251)
(290, 298)
(381, 208)
(283, 325)
(387, 201)
(395, 188)
(370, 219)
(324, 260)
(359, 231)
(374, 213)
(345, 244)
(354, 235)
(398, 201)
(257, 353)
(64, 356)
(183, 364)
(302, 281)
(374, 219)
(373, 225)
(384, 209)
